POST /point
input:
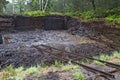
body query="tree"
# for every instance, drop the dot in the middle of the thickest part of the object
(13, 6)
(39, 5)
(93, 4)
(3, 5)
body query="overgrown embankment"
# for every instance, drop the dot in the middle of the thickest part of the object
(111, 15)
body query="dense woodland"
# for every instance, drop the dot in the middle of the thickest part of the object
(87, 9)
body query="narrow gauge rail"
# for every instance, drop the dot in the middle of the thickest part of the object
(61, 55)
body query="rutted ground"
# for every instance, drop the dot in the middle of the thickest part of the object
(90, 39)
(19, 51)
(58, 71)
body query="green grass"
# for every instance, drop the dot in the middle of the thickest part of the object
(69, 67)
(20, 72)
(19, 69)
(79, 75)
(57, 63)
(104, 57)
(16, 73)
(18, 78)
(7, 73)
(116, 54)
(98, 63)
(66, 68)
(32, 70)
(35, 13)
(40, 13)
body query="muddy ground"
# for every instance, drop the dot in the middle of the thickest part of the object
(89, 38)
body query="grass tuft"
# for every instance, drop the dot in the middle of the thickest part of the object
(66, 67)
(116, 54)
(32, 70)
(57, 63)
(79, 76)
(7, 73)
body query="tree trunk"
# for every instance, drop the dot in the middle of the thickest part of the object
(42, 4)
(45, 5)
(63, 6)
(93, 4)
(13, 6)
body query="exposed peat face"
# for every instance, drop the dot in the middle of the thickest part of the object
(1, 39)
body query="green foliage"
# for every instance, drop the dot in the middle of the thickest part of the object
(87, 15)
(115, 12)
(19, 69)
(74, 14)
(66, 68)
(32, 70)
(35, 13)
(113, 18)
(83, 15)
(116, 54)
(84, 60)
(57, 63)
(8, 72)
(69, 67)
(105, 57)
(113, 15)
(18, 78)
(34, 5)
(98, 63)
(3, 4)
(100, 13)
(39, 13)
(102, 57)
(79, 76)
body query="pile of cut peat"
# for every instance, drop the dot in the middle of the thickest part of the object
(89, 38)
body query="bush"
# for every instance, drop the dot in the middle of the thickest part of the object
(74, 14)
(35, 13)
(87, 15)
(39, 13)
(113, 15)
(83, 15)
(115, 11)
(113, 18)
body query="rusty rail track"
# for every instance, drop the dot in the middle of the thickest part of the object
(61, 55)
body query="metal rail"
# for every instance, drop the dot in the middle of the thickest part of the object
(78, 56)
(82, 56)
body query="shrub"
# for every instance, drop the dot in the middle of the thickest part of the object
(39, 13)
(74, 14)
(115, 11)
(87, 15)
(113, 18)
(35, 13)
